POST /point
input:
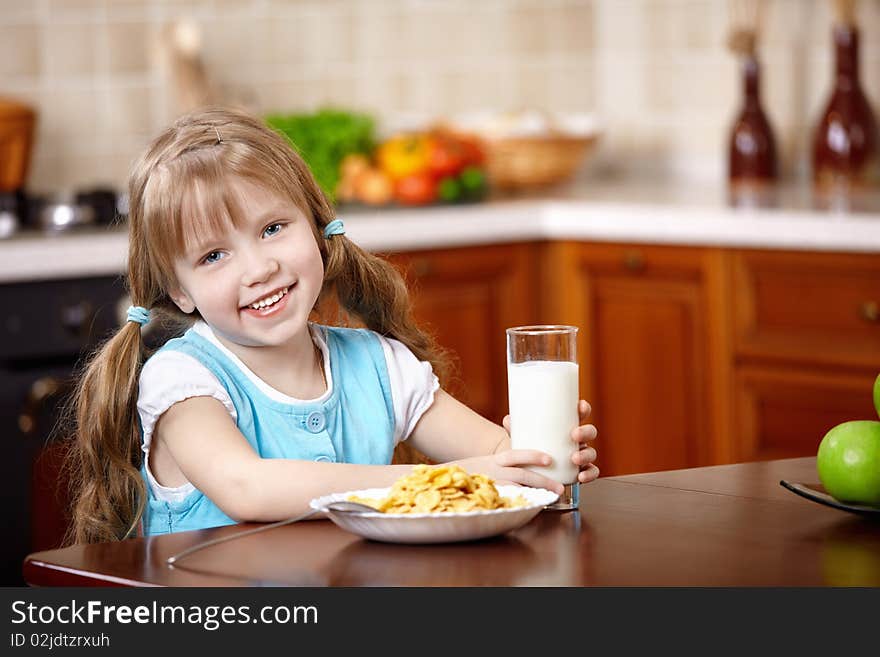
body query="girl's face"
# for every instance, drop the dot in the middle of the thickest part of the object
(255, 284)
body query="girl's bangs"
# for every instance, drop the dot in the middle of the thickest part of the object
(208, 209)
(195, 204)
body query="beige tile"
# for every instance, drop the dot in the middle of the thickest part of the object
(229, 47)
(385, 91)
(528, 32)
(337, 91)
(56, 6)
(126, 112)
(289, 43)
(17, 10)
(681, 80)
(82, 171)
(481, 35)
(704, 23)
(381, 36)
(71, 49)
(19, 50)
(70, 120)
(128, 47)
(479, 90)
(573, 86)
(290, 96)
(335, 42)
(111, 169)
(570, 28)
(620, 25)
(45, 172)
(786, 22)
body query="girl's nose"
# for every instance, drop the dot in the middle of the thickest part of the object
(258, 269)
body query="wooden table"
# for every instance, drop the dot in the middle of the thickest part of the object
(731, 525)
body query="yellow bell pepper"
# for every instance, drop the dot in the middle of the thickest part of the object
(404, 155)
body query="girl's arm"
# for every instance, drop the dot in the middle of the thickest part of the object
(218, 460)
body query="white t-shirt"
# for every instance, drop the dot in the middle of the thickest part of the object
(172, 376)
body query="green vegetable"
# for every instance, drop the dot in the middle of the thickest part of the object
(473, 181)
(323, 138)
(449, 189)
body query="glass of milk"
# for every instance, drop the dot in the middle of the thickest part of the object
(542, 380)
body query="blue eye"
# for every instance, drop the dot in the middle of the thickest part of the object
(273, 229)
(212, 257)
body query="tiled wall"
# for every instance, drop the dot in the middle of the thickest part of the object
(656, 72)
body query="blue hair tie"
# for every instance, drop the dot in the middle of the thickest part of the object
(335, 227)
(138, 314)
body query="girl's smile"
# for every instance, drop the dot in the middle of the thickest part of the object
(270, 304)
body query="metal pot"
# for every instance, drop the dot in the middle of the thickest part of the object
(63, 213)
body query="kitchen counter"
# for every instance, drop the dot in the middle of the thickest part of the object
(649, 214)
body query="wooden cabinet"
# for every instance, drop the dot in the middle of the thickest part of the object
(647, 317)
(689, 355)
(467, 297)
(806, 347)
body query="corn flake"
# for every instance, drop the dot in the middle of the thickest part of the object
(441, 489)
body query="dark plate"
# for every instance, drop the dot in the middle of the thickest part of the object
(815, 493)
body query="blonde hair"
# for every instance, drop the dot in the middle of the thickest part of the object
(181, 176)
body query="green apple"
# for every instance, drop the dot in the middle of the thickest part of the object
(848, 462)
(877, 394)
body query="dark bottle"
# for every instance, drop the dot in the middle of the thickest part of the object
(845, 156)
(752, 171)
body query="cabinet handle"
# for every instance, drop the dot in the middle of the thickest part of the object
(634, 261)
(869, 311)
(421, 267)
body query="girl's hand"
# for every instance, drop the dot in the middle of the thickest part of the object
(584, 455)
(509, 467)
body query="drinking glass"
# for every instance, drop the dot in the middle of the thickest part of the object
(542, 380)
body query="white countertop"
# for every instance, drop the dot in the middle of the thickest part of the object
(652, 214)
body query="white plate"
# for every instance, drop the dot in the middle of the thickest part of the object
(436, 527)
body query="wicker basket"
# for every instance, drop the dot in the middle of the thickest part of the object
(527, 162)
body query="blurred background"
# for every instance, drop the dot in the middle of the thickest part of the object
(657, 75)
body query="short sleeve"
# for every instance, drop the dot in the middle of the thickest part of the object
(413, 384)
(170, 377)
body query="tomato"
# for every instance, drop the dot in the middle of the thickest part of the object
(416, 189)
(473, 151)
(446, 156)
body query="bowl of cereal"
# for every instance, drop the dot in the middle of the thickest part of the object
(437, 504)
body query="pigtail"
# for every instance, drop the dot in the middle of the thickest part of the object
(104, 462)
(108, 493)
(373, 290)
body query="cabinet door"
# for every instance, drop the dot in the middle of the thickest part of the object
(809, 308)
(467, 297)
(785, 412)
(644, 350)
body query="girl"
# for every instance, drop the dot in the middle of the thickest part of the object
(255, 410)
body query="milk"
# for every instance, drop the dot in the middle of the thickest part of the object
(543, 398)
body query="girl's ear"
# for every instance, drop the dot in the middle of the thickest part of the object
(181, 300)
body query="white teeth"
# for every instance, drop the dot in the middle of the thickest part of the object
(268, 301)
